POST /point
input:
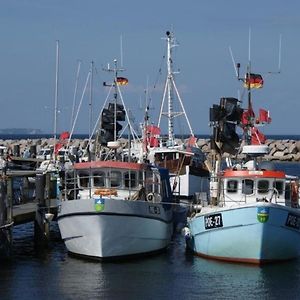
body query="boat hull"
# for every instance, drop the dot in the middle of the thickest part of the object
(121, 228)
(259, 233)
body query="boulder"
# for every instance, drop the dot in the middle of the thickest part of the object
(296, 157)
(288, 157)
(280, 146)
(293, 149)
(278, 154)
(298, 145)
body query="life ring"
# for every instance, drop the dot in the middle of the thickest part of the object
(294, 194)
(150, 197)
(106, 192)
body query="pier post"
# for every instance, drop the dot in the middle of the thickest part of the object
(16, 150)
(41, 223)
(6, 218)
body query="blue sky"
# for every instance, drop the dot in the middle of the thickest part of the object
(90, 30)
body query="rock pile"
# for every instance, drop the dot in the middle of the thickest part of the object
(280, 150)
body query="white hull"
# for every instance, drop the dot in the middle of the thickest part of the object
(122, 228)
(243, 237)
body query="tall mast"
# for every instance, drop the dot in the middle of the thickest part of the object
(56, 92)
(115, 98)
(170, 44)
(170, 87)
(91, 100)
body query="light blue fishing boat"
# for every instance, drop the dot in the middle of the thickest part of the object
(252, 214)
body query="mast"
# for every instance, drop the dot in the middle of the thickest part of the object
(56, 92)
(91, 99)
(75, 94)
(115, 98)
(170, 87)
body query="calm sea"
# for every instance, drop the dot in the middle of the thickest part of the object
(174, 274)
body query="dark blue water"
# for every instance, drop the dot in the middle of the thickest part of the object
(174, 274)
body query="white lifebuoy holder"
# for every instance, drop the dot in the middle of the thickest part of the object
(150, 197)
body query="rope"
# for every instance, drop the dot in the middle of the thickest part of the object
(6, 225)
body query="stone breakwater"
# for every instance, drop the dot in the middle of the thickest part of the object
(280, 150)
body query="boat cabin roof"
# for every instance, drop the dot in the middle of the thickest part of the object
(110, 164)
(253, 173)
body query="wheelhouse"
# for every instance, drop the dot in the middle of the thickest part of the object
(253, 186)
(122, 180)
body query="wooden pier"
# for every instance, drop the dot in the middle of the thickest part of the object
(40, 208)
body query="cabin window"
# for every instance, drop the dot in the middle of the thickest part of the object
(232, 186)
(130, 179)
(247, 186)
(84, 179)
(278, 185)
(99, 179)
(263, 186)
(115, 178)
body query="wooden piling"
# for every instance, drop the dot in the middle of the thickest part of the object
(41, 223)
(6, 221)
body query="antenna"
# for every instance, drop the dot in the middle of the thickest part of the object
(249, 46)
(121, 50)
(279, 54)
(234, 63)
(279, 57)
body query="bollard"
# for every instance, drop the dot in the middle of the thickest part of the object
(16, 150)
(40, 189)
(33, 151)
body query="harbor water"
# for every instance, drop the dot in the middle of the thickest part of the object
(174, 274)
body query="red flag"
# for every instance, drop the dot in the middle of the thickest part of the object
(152, 134)
(264, 116)
(257, 138)
(153, 130)
(64, 135)
(57, 147)
(253, 81)
(247, 115)
(153, 142)
(191, 141)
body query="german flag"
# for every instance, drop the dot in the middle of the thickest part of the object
(122, 81)
(253, 81)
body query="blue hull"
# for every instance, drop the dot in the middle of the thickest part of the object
(256, 234)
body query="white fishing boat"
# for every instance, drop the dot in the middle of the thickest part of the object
(186, 162)
(253, 212)
(114, 208)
